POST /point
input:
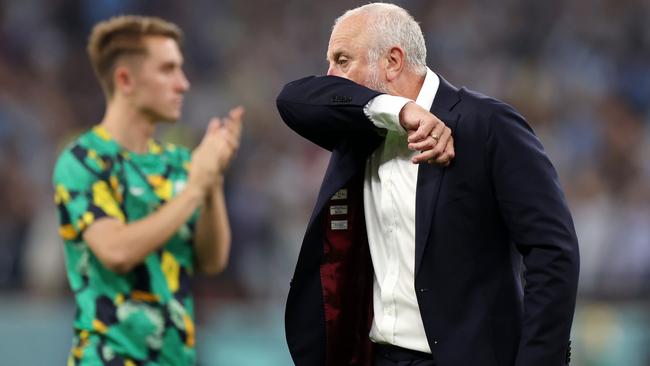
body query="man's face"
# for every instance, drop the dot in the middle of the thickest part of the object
(347, 55)
(159, 80)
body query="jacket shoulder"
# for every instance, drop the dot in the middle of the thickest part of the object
(482, 103)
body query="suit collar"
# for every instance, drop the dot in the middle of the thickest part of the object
(447, 96)
(428, 90)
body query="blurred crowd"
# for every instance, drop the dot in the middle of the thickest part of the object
(578, 70)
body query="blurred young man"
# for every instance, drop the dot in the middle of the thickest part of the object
(139, 217)
(406, 263)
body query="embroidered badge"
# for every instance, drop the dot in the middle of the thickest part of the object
(339, 224)
(339, 210)
(342, 194)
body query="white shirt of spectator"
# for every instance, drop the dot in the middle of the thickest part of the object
(389, 202)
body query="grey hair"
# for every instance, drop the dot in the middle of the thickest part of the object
(389, 26)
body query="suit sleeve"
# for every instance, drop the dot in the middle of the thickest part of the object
(534, 208)
(326, 109)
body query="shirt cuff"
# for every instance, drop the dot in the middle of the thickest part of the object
(383, 110)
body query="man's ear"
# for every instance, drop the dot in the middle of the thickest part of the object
(395, 65)
(123, 79)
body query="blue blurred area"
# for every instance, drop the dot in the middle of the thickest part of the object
(578, 70)
(604, 334)
(40, 333)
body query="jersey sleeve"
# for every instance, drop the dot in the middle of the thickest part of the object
(81, 195)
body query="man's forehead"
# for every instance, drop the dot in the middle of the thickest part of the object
(351, 25)
(348, 32)
(162, 45)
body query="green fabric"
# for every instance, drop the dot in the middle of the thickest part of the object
(146, 316)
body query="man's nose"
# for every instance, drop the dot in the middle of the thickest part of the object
(331, 71)
(183, 83)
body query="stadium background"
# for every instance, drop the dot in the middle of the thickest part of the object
(578, 70)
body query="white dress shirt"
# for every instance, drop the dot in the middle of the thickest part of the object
(389, 202)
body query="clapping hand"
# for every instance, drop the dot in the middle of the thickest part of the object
(217, 148)
(228, 135)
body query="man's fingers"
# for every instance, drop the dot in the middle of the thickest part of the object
(231, 140)
(449, 149)
(423, 131)
(434, 142)
(426, 144)
(423, 157)
(438, 130)
(236, 114)
(214, 125)
(441, 141)
(447, 155)
(430, 126)
(234, 127)
(438, 155)
(427, 156)
(234, 120)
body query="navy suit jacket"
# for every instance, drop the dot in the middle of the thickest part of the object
(497, 203)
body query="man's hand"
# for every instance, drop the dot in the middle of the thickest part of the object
(212, 238)
(229, 134)
(428, 134)
(213, 155)
(204, 166)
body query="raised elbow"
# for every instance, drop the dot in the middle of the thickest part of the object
(215, 268)
(117, 262)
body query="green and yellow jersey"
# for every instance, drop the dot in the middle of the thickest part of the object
(146, 316)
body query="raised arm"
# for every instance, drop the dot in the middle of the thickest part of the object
(213, 237)
(326, 109)
(121, 245)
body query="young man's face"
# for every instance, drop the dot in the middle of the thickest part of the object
(159, 81)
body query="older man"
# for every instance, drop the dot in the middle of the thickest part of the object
(405, 262)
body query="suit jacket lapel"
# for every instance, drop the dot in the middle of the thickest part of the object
(344, 163)
(430, 176)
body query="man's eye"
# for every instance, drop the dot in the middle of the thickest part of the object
(168, 69)
(342, 61)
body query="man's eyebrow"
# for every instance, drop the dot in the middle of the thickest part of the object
(172, 63)
(335, 55)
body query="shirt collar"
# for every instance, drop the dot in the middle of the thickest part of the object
(428, 90)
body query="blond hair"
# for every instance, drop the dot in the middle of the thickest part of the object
(124, 36)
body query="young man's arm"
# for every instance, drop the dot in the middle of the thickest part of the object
(212, 238)
(121, 246)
